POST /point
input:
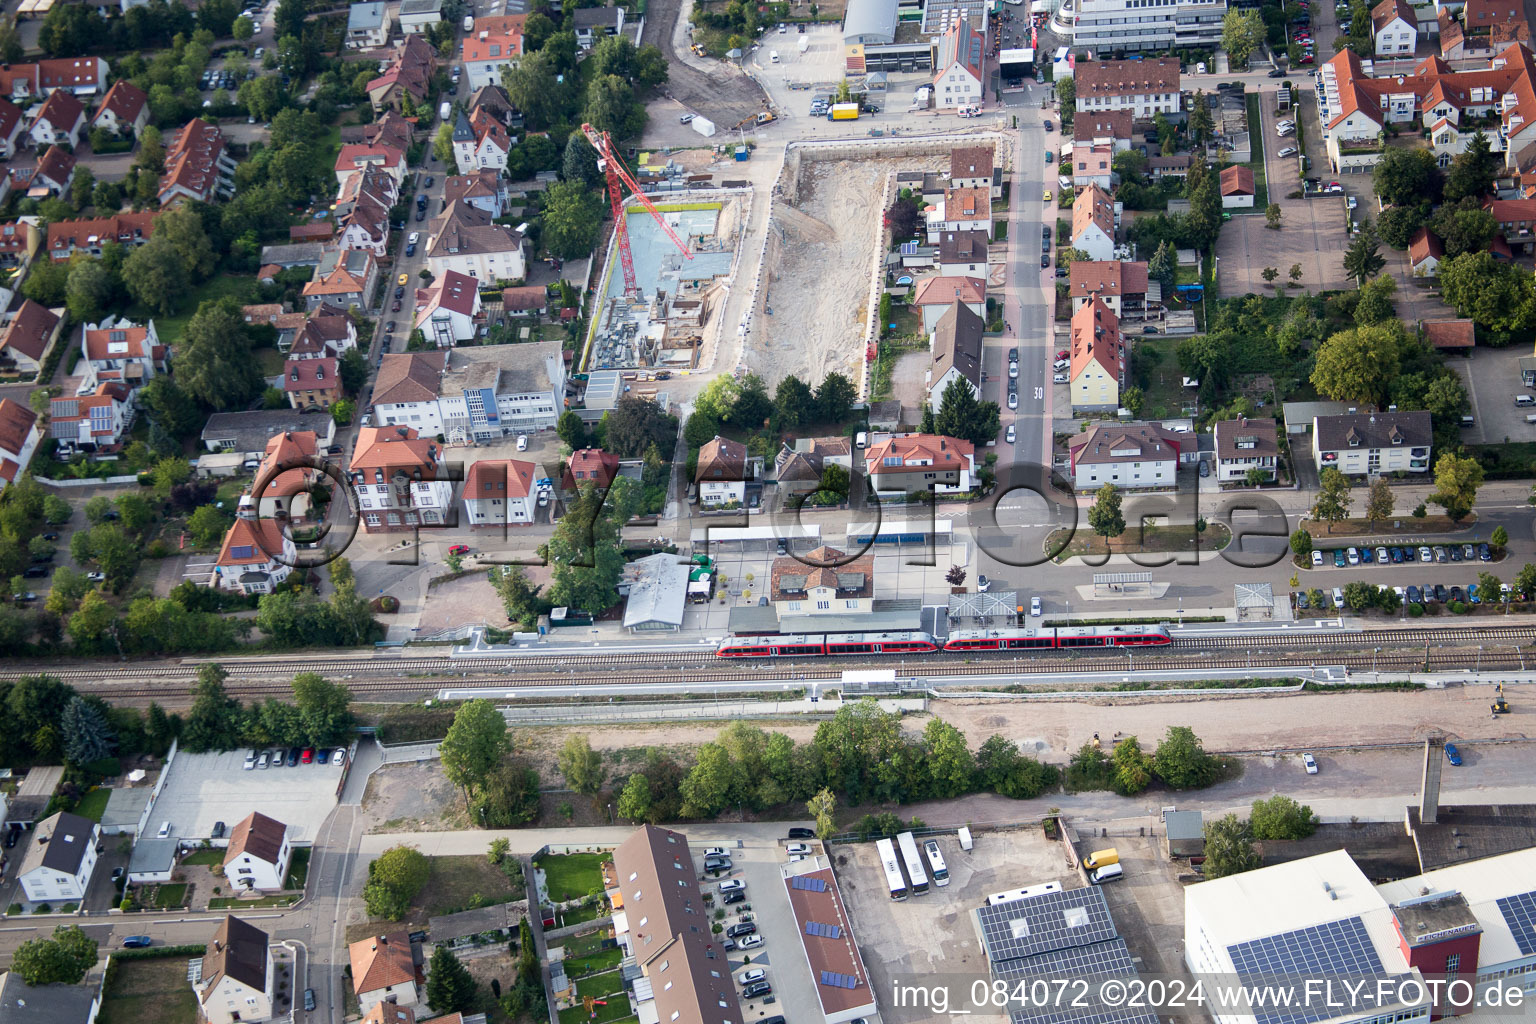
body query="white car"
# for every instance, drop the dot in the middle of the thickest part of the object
(1310, 762)
(754, 975)
(1013, 399)
(1060, 364)
(1013, 370)
(1285, 124)
(715, 851)
(1285, 132)
(732, 885)
(1034, 607)
(522, 442)
(340, 757)
(250, 760)
(749, 942)
(1317, 559)
(1353, 556)
(800, 848)
(1287, 151)
(96, 577)
(1060, 378)
(413, 238)
(1009, 437)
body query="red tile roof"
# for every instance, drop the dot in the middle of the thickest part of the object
(1126, 77)
(942, 291)
(310, 375)
(934, 452)
(61, 110)
(257, 835)
(498, 478)
(251, 542)
(1092, 206)
(588, 465)
(191, 161)
(1108, 278)
(392, 448)
(29, 330)
(1096, 339)
(67, 235)
(1449, 334)
(381, 961)
(496, 39)
(16, 423)
(1424, 244)
(125, 100)
(101, 345)
(56, 165)
(1237, 180)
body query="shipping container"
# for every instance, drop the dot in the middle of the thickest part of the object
(843, 112)
(703, 125)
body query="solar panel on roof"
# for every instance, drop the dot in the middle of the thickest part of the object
(1338, 948)
(909, 248)
(1100, 960)
(837, 980)
(809, 884)
(826, 931)
(1520, 914)
(1048, 921)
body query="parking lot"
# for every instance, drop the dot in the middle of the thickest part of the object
(767, 903)
(1492, 379)
(201, 789)
(1147, 902)
(933, 934)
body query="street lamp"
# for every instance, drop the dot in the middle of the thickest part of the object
(1374, 653)
(1479, 667)
(1128, 654)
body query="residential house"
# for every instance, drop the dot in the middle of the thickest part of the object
(480, 142)
(493, 100)
(1107, 129)
(326, 332)
(447, 308)
(59, 860)
(394, 1013)
(477, 393)
(10, 129)
(822, 582)
(686, 977)
(973, 167)
(95, 421)
(312, 383)
(198, 165)
(119, 350)
(27, 338)
(1175, 166)
(722, 472)
(1132, 456)
(913, 463)
(1237, 187)
(798, 469)
(1093, 223)
(1370, 444)
(1425, 251)
(955, 348)
(353, 158)
(1122, 285)
(235, 981)
(124, 110)
(345, 277)
(1449, 335)
(1243, 445)
(1093, 165)
(1143, 87)
(592, 24)
(481, 189)
(54, 172)
(19, 241)
(1516, 221)
(384, 970)
(387, 129)
(419, 15)
(959, 64)
(362, 210)
(298, 254)
(467, 240)
(284, 475)
(961, 209)
(406, 389)
(529, 300)
(500, 492)
(21, 1003)
(408, 487)
(409, 74)
(1480, 29)
(1447, 140)
(1396, 28)
(82, 76)
(368, 25)
(258, 854)
(130, 230)
(249, 433)
(256, 557)
(494, 44)
(19, 435)
(1097, 374)
(962, 254)
(934, 295)
(60, 121)
(589, 466)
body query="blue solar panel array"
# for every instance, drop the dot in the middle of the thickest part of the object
(837, 980)
(807, 883)
(1338, 948)
(1102, 960)
(826, 931)
(1052, 920)
(1520, 914)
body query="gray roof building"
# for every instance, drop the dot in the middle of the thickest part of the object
(21, 1003)
(957, 343)
(298, 254)
(1299, 415)
(1372, 430)
(505, 369)
(657, 586)
(469, 230)
(365, 17)
(248, 432)
(871, 22)
(60, 844)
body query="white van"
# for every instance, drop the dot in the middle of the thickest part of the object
(469, 23)
(1524, 400)
(165, 830)
(444, 110)
(861, 440)
(773, 56)
(1108, 873)
(1200, 68)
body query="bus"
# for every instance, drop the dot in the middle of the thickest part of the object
(936, 862)
(914, 863)
(893, 879)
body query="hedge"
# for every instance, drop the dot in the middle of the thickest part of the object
(158, 952)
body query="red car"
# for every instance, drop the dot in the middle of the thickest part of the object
(459, 549)
(1063, 354)
(1307, 58)
(308, 757)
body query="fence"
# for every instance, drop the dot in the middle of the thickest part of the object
(696, 711)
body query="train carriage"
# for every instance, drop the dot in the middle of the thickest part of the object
(825, 644)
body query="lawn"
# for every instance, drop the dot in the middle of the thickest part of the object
(573, 875)
(212, 858)
(149, 992)
(94, 804)
(170, 328)
(226, 902)
(1180, 537)
(617, 1009)
(600, 985)
(1256, 164)
(580, 914)
(592, 963)
(454, 884)
(169, 896)
(270, 360)
(298, 868)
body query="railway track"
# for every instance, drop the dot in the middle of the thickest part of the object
(1364, 638)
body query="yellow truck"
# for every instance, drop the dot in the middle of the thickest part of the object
(843, 112)
(1101, 858)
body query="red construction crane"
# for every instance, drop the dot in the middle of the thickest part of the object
(609, 163)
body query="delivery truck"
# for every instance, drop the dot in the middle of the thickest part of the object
(805, 43)
(444, 110)
(843, 112)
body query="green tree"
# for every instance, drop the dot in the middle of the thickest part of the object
(394, 879)
(155, 275)
(325, 715)
(572, 217)
(182, 229)
(1499, 539)
(635, 800)
(1229, 847)
(1201, 125)
(519, 596)
(1379, 502)
(572, 430)
(242, 29)
(536, 86)
(711, 782)
(1473, 170)
(136, 512)
(1396, 225)
(1301, 543)
(56, 511)
(509, 796)
(1242, 32)
(1066, 98)
(1281, 817)
(835, 396)
(476, 743)
(1206, 358)
(1163, 266)
(1001, 768)
(1363, 259)
(1272, 214)
(85, 732)
(635, 424)
(450, 989)
(1405, 177)
(1495, 295)
(581, 765)
(214, 720)
(579, 162)
(1333, 498)
(1181, 762)
(962, 415)
(793, 403)
(1525, 581)
(442, 144)
(1463, 226)
(1456, 482)
(88, 289)
(1358, 365)
(60, 960)
(214, 362)
(821, 808)
(951, 769)
(1105, 516)
(171, 407)
(1132, 767)
(1375, 304)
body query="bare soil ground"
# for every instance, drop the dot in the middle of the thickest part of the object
(722, 93)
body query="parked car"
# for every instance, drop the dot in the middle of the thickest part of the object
(1425, 555)
(757, 991)
(307, 755)
(1287, 151)
(141, 941)
(309, 999)
(802, 833)
(749, 942)
(1310, 763)
(250, 759)
(1339, 561)
(340, 757)
(756, 974)
(797, 848)
(1382, 557)
(463, 549)
(1484, 553)
(1317, 559)
(261, 760)
(1452, 754)
(1473, 597)
(733, 897)
(1414, 596)
(1013, 399)
(33, 572)
(117, 874)
(732, 885)
(1011, 435)
(1440, 594)
(735, 931)
(1059, 378)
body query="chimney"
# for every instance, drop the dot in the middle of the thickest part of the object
(1429, 788)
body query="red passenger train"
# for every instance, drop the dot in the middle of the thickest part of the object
(1062, 637)
(802, 646)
